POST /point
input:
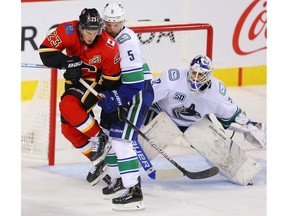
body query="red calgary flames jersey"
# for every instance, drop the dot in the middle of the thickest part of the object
(102, 55)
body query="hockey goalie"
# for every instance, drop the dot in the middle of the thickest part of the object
(187, 97)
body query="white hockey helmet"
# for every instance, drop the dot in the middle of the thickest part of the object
(200, 71)
(113, 12)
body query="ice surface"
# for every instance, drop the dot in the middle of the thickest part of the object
(62, 189)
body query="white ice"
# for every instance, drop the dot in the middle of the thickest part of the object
(62, 189)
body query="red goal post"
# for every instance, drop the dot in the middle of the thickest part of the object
(180, 28)
(164, 46)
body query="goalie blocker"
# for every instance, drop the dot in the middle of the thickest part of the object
(215, 146)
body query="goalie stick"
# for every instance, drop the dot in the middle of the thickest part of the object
(192, 175)
(145, 162)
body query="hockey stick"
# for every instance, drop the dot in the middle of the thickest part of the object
(99, 96)
(150, 170)
(30, 65)
(145, 162)
(192, 175)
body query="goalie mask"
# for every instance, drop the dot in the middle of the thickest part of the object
(113, 12)
(199, 72)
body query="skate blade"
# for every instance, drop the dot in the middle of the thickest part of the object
(135, 206)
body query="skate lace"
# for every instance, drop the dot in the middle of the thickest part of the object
(93, 169)
(127, 191)
(112, 184)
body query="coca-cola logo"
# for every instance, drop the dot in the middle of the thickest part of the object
(251, 30)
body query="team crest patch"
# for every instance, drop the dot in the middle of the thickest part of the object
(110, 43)
(179, 96)
(117, 58)
(69, 28)
(173, 74)
(124, 37)
(222, 89)
(95, 59)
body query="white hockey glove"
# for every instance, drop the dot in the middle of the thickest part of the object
(254, 133)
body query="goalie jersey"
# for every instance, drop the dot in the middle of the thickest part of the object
(172, 95)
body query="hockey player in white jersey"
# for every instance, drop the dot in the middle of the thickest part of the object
(188, 97)
(134, 95)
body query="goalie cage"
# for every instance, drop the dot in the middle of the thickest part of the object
(164, 46)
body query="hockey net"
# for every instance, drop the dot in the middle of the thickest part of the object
(164, 46)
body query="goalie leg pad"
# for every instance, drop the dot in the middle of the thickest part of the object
(220, 150)
(162, 130)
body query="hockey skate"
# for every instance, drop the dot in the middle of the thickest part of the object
(114, 189)
(100, 147)
(96, 173)
(107, 179)
(131, 199)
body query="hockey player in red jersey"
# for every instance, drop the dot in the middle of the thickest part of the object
(93, 55)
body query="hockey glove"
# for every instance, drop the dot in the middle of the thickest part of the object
(254, 133)
(73, 70)
(118, 114)
(112, 101)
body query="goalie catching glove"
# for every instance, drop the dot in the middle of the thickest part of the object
(254, 132)
(73, 71)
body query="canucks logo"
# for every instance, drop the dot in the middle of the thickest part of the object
(222, 89)
(185, 112)
(124, 37)
(173, 74)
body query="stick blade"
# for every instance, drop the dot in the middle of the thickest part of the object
(203, 174)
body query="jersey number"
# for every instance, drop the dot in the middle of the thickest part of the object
(54, 39)
(131, 56)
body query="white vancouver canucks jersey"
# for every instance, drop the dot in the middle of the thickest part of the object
(174, 96)
(131, 52)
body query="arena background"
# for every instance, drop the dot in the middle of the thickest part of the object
(239, 46)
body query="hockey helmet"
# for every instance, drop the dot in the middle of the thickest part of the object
(90, 19)
(113, 12)
(200, 71)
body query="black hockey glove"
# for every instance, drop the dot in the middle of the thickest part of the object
(73, 70)
(118, 114)
(122, 113)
